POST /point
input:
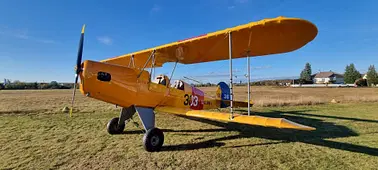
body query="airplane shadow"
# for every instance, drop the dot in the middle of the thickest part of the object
(320, 137)
(170, 130)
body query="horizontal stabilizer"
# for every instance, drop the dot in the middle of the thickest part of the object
(243, 119)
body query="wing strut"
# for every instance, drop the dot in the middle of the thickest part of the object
(249, 74)
(145, 64)
(249, 86)
(174, 68)
(152, 70)
(231, 89)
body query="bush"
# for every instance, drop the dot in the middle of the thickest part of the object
(361, 82)
(303, 81)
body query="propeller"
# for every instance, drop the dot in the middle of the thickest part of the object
(78, 66)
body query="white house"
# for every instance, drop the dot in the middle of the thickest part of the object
(328, 77)
(364, 76)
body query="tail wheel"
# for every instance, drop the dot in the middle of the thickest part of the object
(114, 128)
(153, 140)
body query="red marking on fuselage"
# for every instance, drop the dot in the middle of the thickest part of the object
(197, 99)
(192, 38)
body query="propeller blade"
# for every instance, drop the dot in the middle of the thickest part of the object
(78, 67)
(80, 51)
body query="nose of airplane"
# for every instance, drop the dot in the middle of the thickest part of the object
(107, 82)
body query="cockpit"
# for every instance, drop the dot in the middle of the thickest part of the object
(164, 80)
(179, 84)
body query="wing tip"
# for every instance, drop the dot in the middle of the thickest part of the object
(293, 125)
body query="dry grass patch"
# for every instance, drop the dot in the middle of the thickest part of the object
(47, 102)
(284, 96)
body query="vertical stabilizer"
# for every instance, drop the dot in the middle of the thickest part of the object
(223, 94)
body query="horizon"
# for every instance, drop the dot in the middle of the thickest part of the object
(39, 39)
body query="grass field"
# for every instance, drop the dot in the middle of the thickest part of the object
(36, 135)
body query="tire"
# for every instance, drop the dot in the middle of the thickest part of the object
(114, 128)
(153, 140)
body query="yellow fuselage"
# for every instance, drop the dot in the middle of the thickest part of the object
(121, 86)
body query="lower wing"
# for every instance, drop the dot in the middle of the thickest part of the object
(243, 119)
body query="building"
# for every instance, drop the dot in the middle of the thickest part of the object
(328, 78)
(364, 76)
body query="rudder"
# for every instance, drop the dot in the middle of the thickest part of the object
(223, 93)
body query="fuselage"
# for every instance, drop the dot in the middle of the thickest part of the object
(124, 86)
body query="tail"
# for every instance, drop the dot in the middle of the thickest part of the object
(223, 95)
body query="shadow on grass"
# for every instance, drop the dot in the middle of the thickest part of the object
(324, 131)
(23, 112)
(170, 130)
(327, 116)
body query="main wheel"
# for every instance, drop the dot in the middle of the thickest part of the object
(114, 128)
(153, 140)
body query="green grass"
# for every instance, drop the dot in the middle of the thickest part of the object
(346, 138)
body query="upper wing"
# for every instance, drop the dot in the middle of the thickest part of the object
(243, 119)
(268, 36)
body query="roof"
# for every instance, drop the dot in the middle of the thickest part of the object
(264, 37)
(327, 74)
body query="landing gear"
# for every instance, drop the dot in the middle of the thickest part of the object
(153, 140)
(117, 125)
(114, 128)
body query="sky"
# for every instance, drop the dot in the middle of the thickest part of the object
(39, 39)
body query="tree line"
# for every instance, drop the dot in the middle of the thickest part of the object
(351, 76)
(18, 85)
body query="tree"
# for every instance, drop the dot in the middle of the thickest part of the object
(15, 85)
(372, 76)
(43, 86)
(306, 74)
(351, 74)
(54, 85)
(31, 85)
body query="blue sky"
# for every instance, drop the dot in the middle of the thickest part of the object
(39, 38)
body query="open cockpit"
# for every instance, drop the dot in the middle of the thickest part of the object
(164, 80)
(178, 84)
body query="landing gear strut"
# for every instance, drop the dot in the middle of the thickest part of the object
(153, 139)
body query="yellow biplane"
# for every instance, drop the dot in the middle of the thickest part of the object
(125, 81)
